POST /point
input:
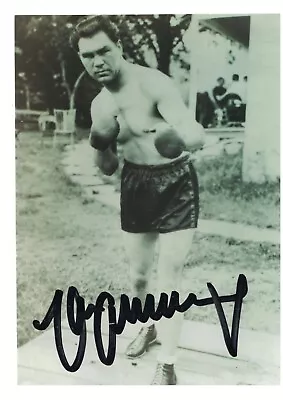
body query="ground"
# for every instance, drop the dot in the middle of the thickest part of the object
(224, 195)
(64, 239)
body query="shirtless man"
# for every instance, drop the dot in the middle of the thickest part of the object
(142, 109)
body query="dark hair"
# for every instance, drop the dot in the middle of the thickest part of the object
(89, 26)
(220, 79)
(235, 77)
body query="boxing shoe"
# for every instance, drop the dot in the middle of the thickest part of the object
(141, 343)
(164, 375)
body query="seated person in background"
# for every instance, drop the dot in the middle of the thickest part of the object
(219, 91)
(235, 102)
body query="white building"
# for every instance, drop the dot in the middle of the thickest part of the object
(259, 34)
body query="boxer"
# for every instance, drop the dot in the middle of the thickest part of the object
(142, 109)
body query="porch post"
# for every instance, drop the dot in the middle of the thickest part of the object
(191, 41)
(262, 134)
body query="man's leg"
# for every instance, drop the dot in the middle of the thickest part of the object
(173, 254)
(140, 249)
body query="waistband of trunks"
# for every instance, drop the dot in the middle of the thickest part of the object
(179, 163)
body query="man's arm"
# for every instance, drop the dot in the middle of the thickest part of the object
(220, 97)
(106, 160)
(172, 108)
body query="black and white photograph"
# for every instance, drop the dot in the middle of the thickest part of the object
(147, 160)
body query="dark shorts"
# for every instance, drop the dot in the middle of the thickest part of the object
(159, 198)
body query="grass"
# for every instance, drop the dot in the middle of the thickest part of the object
(64, 240)
(220, 261)
(224, 196)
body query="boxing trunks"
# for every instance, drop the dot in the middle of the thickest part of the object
(159, 198)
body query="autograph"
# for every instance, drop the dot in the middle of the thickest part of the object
(77, 315)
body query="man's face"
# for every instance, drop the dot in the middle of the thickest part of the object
(100, 56)
(220, 82)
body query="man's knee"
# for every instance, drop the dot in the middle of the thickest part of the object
(174, 254)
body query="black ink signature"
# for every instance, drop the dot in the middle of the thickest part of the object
(132, 312)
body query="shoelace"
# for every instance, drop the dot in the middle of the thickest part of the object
(159, 374)
(142, 334)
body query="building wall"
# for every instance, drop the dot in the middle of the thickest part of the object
(262, 134)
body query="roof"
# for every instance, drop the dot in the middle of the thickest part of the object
(234, 27)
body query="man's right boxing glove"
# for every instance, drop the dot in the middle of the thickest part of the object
(104, 132)
(167, 141)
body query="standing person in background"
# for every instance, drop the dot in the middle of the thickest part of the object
(236, 87)
(244, 97)
(244, 91)
(159, 188)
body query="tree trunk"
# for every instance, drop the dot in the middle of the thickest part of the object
(164, 37)
(64, 78)
(48, 89)
(261, 160)
(191, 43)
(75, 88)
(27, 96)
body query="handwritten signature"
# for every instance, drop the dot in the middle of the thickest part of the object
(132, 312)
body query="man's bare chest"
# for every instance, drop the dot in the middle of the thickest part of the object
(136, 108)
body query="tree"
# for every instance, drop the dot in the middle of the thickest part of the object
(160, 34)
(51, 67)
(47, 60)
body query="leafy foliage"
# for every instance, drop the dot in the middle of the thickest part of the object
(160, 34)
(50, 67)
(46, 62)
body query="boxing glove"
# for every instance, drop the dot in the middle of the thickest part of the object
(167, 141)
(104, 132)
(107, 161)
